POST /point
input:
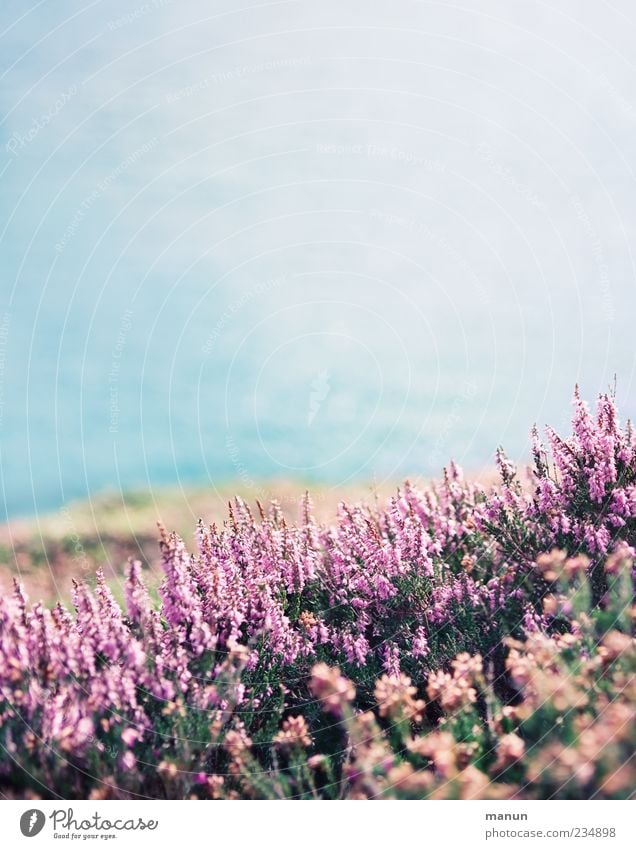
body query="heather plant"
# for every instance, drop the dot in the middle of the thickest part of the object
(568, 733)
(454, 642)
(583, 493)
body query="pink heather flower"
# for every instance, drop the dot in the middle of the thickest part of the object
(510, 749)
(137, 598)
(394, 697)
(623, 555)
(293, 734)
(128, 761)
(452, 691)
(356, 648)
(420, 647)
(506, 469)
(467, 666)
(551, 565)
(577, 565)
(331, 688)
(237, 740)
(391, 659)
(130, 736)
(441, 748)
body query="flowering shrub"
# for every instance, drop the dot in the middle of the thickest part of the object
(452, 643)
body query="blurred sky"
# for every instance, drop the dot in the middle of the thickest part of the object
(332, 241)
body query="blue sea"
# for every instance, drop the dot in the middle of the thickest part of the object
(330, 242)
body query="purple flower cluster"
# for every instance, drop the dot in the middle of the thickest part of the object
(581, 495)
(394, 589)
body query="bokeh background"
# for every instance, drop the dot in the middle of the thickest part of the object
(329, 242)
